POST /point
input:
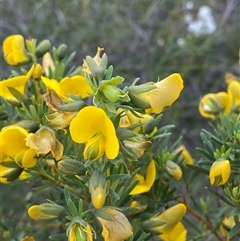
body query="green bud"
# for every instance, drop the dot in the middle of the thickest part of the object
(61, 51)
(29, 125)
(124, 133)
(152, 223)
(112, 93)
(43, 48)
(71, 166)
(74, 106)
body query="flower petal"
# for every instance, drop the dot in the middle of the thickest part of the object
(167, 92)
(13, 136)
(76, 85)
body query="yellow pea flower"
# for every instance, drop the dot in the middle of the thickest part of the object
(116, 229)
(145, 184)
(172, 216)
(15, 136)
(75, 85)
(44, 142)
(233, 91)
(28, 238)
(179, 233)
(219, 172)
(187, 158)
(14, 50)
(228, 222)
(17, 83)
(212, 104)
(92, 126)
(129, 119)
(80, 231)
(165, 93)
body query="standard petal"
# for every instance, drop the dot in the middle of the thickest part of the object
(88, 122)
(167, 92)
(76, 85)
(151, 174)
(13, 140)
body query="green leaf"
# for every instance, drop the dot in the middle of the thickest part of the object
(59, 236)
(199, 169)
(72, 207)
(220, 197)
(234, 231)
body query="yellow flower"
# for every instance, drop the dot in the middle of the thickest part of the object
(92, 126)
(212, 104)
(219, 172)
(172, 217)
(80, 231)
(228, 222)
(28, 238)
(76, 85)
(17, 83)
(187, 158)
(45, 211)
(128, 119)
(233, 91)
(116, 229)
(145, 184)
(44, 142)
(14, 51)
(179, 233)
(16, 136)
(165, 94)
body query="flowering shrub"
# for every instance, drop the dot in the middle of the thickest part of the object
(100, 145)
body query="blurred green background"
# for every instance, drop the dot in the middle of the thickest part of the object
(145, 39)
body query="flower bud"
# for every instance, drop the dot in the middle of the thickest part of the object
(71, 166)
(98, 189)
(219, 172)
(136, 207)
(37, 72)
(45, 211)
(61, 51)
(137, 144)
(80, 231)
(9, 171)
(43, 48)
(72, 106)
(112, 93)
(29, 125)
(174, 170)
